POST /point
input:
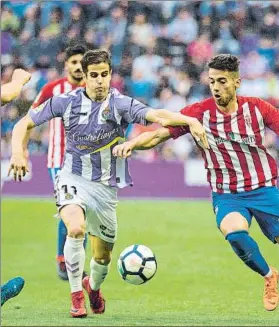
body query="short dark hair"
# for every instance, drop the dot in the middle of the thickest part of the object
(224, 62)
(75, 50)
(93, 57)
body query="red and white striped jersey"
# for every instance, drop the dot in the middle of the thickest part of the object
(237, 160)
(56, 147)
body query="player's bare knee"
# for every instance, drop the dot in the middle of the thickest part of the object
(76, 231)
(277, 239)
(74, 220)
(233, 222)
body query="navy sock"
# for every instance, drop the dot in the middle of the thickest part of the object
(248, 251)
(85, 241)
(62, 235)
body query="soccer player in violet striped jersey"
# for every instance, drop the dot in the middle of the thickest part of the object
(56, 142)
(95, 118)
(241, 172)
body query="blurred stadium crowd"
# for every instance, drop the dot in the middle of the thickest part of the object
(159, 51)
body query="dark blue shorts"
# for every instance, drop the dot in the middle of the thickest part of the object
(262, 203)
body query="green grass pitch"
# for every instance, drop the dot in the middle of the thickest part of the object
(199, 282)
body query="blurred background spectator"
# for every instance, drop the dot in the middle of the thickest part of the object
(159, 53)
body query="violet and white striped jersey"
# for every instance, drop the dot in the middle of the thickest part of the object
(237, 160)
(93, 129)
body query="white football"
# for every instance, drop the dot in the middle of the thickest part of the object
(137, 264)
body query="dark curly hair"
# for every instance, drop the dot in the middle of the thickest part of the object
(226, 62)
(75, 50)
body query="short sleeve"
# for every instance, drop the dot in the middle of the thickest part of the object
(193, 110)
(53, 107)
(131, 110)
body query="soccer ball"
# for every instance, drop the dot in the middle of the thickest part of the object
(137, 264)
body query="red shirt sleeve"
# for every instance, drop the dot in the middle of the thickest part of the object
(270, 115)
(45, 94)
(194, 110)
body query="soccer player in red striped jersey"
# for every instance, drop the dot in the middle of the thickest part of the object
(56, 148)
(240, 170)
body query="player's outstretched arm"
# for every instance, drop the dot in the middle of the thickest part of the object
(20, 138)
(12, 89)
(166, 118)
(143, 141)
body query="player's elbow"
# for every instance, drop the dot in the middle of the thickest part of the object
(25, 123)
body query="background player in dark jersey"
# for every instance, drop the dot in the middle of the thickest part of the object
(241, 172)
(56, 143)
(9, 92)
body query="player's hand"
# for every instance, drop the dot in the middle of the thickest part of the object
(123, 150)
(199, 134)
(18, 164)
(21, 76)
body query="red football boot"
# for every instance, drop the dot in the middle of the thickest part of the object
(97, 302)
(78, 309)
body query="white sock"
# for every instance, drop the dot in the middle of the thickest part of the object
(98, 274)
(269, 274)
(74, 258)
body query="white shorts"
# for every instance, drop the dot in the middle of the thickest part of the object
(98, 201)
